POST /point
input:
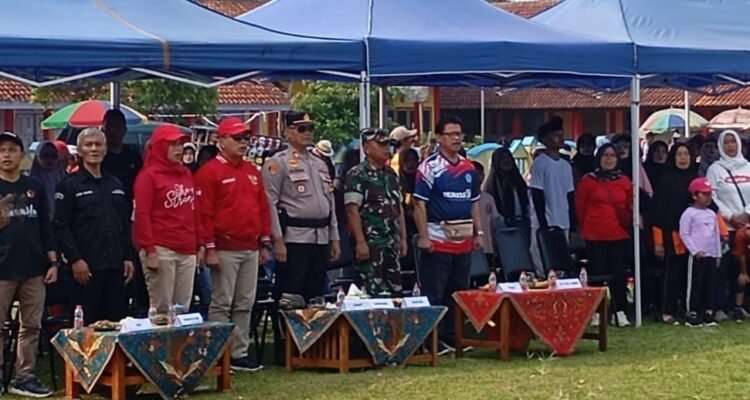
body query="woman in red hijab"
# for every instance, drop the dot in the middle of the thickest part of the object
(166, 226)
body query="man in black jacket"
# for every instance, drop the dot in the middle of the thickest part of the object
(92, 224)
(27, 260)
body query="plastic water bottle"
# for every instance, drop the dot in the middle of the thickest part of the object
(552, 278)
(524, 280)
(172, 315)
(583, 277)
(340, 296)
(416, 291)
(152, 314)
(78, 317)
(492, 280)
(630, 294)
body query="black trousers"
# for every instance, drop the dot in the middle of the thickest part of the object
(675, 283)
(701, 281)
(440, 275)
(103, 298)
(304, 271)
(610, 258)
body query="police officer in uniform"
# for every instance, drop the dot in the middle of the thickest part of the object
(303, 218)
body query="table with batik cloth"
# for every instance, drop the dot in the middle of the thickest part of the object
(173, 359)
(507, 321)
(322, 338)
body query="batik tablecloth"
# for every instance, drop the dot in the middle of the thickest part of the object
(558, 317)
(173, 359)
(391, 336)
(479, 306)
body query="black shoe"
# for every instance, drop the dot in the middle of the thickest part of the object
(709, 320)
(694, 320)
(29, 387)
(247, 364)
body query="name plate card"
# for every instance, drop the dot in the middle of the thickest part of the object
(382, 303)
(189, 319)
(509, 287)
(416, 302)
(135, 325)
(356, 305)
(563, 284)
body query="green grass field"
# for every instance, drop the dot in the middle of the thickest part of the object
(653, 362)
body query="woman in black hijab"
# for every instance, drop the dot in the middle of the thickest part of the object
(584, 160)
(656, 160)
(509, 189)
(671, 198)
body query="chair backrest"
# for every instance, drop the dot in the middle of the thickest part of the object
(554, 249)
(479, 265)
(513, 251)
(347, 252)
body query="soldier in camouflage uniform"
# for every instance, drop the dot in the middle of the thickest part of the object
(376, 218)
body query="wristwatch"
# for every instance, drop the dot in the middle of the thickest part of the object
(480, 233)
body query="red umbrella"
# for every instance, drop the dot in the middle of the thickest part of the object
(738, 118)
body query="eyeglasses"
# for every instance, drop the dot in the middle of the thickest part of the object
(307, 128)
(241, 138)
(453, 134)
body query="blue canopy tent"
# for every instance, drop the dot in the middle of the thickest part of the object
(44, 43)
(675, 43)
(446, 42)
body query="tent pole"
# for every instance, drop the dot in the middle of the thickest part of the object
(114, 95)
(635, 135)
(481, 113)
(687, 114)
(383, 107)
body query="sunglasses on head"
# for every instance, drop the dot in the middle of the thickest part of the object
(368, 134)
(306, 128)
(245, 137)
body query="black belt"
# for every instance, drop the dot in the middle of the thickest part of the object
(308, 222)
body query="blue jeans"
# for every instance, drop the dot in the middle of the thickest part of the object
(203, 287)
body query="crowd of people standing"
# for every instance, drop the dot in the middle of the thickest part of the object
(188, 220)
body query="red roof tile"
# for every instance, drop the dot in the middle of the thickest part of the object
(232, 8)
(13, 92)
(252, 93)
(527, 9)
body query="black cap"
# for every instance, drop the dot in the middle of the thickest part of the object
(378, 135)
(11, 137)
(297, 118)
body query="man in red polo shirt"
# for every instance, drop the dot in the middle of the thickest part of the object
(236, 227)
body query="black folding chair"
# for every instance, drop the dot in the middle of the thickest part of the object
(513, 252)
(554, 249)
(480, 269)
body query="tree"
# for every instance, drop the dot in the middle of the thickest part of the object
(335, 109)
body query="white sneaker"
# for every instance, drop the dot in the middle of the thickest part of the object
(595, 320)
(622, 319)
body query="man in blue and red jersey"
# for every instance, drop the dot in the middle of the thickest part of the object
(447, 214)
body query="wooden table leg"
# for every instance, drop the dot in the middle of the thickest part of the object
(505, 330)
(72, 388)
(603, 320)
(288, 350)
(434, 347)
(224, 379)
(118, 375)
(343, 345)
(458, 324)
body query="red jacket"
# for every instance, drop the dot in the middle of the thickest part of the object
(166, 212)
(233, 204)
(597, 201)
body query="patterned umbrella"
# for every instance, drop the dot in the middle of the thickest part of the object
(88, 113)
(738, 118)
(670, 119)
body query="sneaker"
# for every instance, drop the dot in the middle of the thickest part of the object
(721, 316)
(29, 387)
(247, 364)
(709, 319)
(467, 349)
(444, 348)
(595, 320)
(670, 320)
(693, 320)
(622, 319)
(739, 314)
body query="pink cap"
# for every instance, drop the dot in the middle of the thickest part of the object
(699, 185)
